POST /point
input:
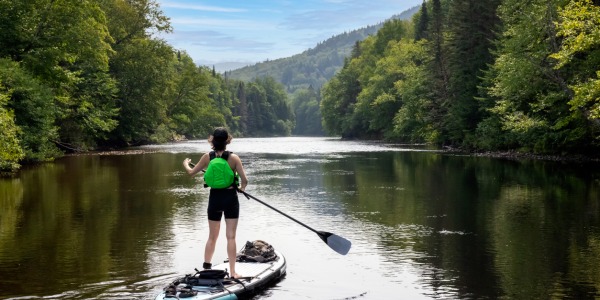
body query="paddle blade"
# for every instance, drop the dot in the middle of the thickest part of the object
(335, 242)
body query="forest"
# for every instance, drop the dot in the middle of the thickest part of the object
(485, 75)
(84, 75)
(478, 75)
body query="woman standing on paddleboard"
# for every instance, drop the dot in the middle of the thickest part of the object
(223, 199)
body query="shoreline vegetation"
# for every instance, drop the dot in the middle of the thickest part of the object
(479, 76)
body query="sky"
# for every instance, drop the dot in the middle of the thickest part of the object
(250, 31)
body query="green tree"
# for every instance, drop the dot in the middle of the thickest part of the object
(189, 110)
(377, 103)
(66, 46)
(421, 21)
(142, 66)
(529, 95)
(133, 19)
(339, 98)
(307, 113)
(579, 54)
(438, 66)
(267, 109)
(11, 152)
(31, 105)
(222, 93)
(471, 29)
(143, 70)
(412, 121)
(256, 99)
(242, 109)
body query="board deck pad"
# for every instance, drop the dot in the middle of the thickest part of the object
(256, 276)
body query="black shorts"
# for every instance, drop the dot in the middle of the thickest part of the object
(223, 201)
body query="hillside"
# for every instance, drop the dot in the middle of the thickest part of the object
(314, 66)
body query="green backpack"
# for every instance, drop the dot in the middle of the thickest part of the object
(219, 175)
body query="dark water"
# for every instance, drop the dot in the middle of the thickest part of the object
(424, 225)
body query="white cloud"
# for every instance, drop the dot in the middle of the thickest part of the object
(240, 24)
(217, 41)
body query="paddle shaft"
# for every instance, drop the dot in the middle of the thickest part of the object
(277, 210)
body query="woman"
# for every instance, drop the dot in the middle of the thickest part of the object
(221, 201)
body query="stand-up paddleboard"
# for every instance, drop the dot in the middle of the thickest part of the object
(259, 270)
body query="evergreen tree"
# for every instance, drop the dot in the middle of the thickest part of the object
(307, 113)
(438, 69)
(421, 22)
(242, 108)
(471, 29)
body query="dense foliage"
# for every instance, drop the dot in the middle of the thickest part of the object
(486, 74)
(76, 76)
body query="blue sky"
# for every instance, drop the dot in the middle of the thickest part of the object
(251, 31)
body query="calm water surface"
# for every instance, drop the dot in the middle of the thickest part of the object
(424, 225)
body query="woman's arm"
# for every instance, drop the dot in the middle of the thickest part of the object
(201, 165)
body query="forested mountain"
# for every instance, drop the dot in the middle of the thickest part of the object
(476, 74)
(314, 66)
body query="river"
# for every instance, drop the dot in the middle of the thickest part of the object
(423, 224)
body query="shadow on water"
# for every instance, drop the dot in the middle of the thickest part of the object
(424, 225)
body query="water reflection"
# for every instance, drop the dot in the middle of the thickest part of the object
(424, 225)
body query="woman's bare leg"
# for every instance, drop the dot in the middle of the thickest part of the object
(230, 230)
(209, 249)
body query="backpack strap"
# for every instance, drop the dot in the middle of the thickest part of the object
(224, 155)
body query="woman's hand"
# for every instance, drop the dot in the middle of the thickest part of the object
(186, 163)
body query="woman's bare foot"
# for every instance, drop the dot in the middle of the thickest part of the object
(236, 276)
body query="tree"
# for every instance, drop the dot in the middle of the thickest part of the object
(411, 122)
(471, 29)
(242, 108)
(142, 69)
(189, 109)
(11, 152)
(530, 96)
(66, 46)
(339, 97)
(438, 68)
(421, 21)
(133, 19)
(306, 109)
(269, 112)
(142, 66)
(28, 109)
(579, 54)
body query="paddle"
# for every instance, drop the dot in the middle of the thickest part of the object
(335, 242)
